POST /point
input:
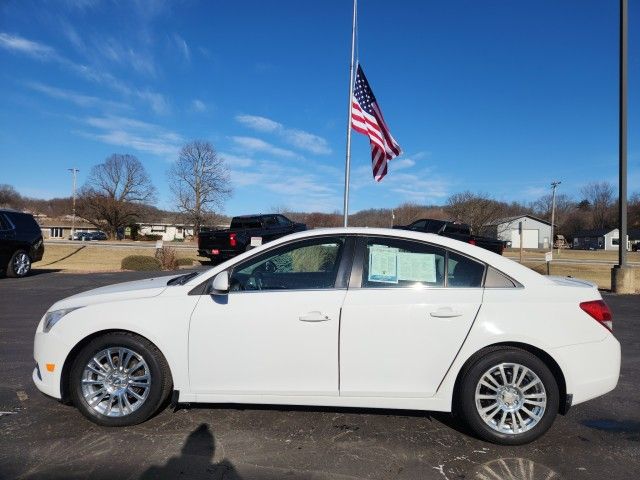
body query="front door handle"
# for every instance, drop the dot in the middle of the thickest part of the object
(446, 312)
(314, 317)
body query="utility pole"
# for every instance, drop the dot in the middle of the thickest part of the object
(554, 185)
(74, 171)
(622, 276)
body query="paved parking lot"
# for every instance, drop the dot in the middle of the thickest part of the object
(40, 438)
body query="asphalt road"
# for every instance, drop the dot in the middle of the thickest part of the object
(40, 438)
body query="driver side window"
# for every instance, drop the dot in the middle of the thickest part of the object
(305, 265)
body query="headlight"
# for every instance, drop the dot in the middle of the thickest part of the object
(51, 318)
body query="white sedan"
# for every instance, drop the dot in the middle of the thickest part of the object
(354, 317)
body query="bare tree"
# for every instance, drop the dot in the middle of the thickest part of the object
(476, 210)
(633, 207)
(199, 181)
(9, 197)
(115, 193)
(564, 208)
(600, 197)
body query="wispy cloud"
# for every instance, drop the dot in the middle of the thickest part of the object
(182, 47)
(252, 144)
(39, 51)
(423, 186)
(74, 97)
(18, 44)
(307, 191)
(198, 105)
(401, 163)
(132, 133)
(236, 161)
(294, 137)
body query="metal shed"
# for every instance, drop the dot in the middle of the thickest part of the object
(536, 232)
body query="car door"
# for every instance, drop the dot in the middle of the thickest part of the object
(409, 308)
(276, 331)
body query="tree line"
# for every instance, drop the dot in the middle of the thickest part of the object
(595, 207)
(119, 193)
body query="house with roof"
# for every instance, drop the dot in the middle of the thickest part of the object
(535, 233)
(603, 239)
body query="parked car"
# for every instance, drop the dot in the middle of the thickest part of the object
(88, 236)
(20, 242)
(457, 231)
(224, 244)
(98, 235)
(338, 317)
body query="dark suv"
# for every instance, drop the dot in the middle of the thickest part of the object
(20, 242)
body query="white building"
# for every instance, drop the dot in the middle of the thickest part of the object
(603, 239)
(169, 231)
(536, 233)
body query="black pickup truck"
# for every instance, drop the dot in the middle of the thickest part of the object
(457, 231)
(224, 244)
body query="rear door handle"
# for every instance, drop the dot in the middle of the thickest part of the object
(446, 312)
(314, 317)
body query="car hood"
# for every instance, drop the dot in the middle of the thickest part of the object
(149, 287)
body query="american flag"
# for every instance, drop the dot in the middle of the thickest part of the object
(367, 119)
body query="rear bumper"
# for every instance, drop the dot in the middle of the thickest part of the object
(590, 369)
(222, 254)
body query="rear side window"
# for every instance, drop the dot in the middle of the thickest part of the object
(462, 272)
(496, 279)
(24, 222)
(4, 223)
(401, 263)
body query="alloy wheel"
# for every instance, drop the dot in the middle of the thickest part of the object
(21, 264)
(116, 382)
(510, 398)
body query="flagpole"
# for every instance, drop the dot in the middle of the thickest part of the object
(347, 167)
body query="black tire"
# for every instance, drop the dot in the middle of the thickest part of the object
(160, 378)
(466, 396)
(14, 269)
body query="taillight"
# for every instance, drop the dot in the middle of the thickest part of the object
(232, 239)
(600, 312)
(472, 241)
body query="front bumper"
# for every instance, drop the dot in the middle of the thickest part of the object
(49, 350)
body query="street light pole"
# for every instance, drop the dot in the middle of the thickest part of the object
(554, 185)
(622, 275)
(622, 147)
(74, 171)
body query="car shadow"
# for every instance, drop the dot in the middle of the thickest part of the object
(42, 271)
(448, 419)
(195, 461)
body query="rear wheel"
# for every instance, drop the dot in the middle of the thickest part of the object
(119, 379)
(19, 264)
(508, 396)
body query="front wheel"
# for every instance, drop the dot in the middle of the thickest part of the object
(119, 379)
(508, 396)
(19, 264)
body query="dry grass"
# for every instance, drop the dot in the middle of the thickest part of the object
(611, 255)
(599, 274)
(85, 258)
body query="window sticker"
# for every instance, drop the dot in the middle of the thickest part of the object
(383, 264)
(417, 267)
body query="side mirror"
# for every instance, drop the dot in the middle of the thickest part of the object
(220, 284)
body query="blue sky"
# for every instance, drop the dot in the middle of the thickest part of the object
(499, 97)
